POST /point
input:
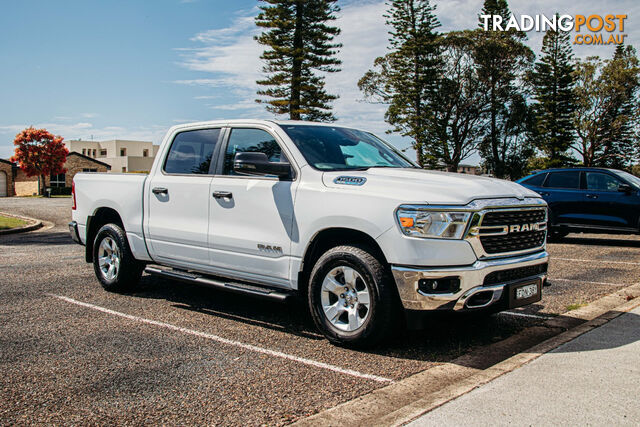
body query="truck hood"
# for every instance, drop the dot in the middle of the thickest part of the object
(424, 186)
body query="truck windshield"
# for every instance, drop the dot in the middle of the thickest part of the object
(335, 148)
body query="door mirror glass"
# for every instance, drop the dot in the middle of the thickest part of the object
(252, 163)
(625, 188)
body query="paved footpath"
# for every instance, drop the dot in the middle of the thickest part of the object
(592, 380)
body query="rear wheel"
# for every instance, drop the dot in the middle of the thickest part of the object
(115, 267)
(351, 297)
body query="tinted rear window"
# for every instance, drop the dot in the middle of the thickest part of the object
(535, 180)
(191, 152)
(568, 179)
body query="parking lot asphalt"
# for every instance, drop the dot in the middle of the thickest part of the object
(175, 353)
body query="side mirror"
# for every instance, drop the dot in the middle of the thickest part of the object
(625, 188)
(248, 163)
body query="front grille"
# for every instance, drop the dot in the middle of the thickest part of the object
(513, 217)
(504, 276)
(513, 241)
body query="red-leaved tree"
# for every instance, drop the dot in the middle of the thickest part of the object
(40, 153)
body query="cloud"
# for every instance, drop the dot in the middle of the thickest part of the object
(230, 57)
(230, 53)
(364, 37)
(244, 104)
(228, 35)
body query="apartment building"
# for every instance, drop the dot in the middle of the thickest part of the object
(122, 155)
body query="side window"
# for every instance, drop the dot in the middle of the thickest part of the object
(191, 152)
(597, 181)
(535, 180)
(251, 140)
(567, 179)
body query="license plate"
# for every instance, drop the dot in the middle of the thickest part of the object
(527, 291)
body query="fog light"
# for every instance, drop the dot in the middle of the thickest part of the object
(445, 285)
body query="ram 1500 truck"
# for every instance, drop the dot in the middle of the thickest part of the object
(333, 214)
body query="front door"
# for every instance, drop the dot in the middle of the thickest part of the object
(252, 223)
(178, 197)
(605, 205)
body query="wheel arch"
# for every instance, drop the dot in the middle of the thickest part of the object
(100, 217)
(327, 238)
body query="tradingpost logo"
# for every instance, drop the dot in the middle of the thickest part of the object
(590, 29)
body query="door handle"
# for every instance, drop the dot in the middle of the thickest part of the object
(592, 196)
(160, 190)
(222, 195)
(542, 193)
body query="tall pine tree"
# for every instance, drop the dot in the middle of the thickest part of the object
(623, 118)
(407, 78)
(300, 51)
(607, 116)
(502, 59)
(553, 81)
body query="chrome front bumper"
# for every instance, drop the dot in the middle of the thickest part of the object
(471, 282)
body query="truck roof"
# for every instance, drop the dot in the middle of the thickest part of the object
(266, 122)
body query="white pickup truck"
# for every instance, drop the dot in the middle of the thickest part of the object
(333, 214)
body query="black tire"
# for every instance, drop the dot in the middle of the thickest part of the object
(126, 274)
(382, 309)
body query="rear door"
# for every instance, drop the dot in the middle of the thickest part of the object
(562, 192)
(605, 205)
(252, 223)
(178, 199)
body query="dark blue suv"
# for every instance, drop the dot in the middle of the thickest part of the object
(588, 200)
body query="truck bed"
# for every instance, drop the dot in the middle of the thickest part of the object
(120, 192)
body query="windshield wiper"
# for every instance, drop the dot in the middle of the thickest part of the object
(363, 168)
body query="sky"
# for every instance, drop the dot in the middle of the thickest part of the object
(132, 69)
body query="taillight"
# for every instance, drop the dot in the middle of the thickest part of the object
(73, 194)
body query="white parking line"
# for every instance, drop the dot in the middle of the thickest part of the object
(592, 261)
(515, 313)
(553, 279)
(226, 341)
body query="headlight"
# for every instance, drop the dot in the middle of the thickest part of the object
(432, 223)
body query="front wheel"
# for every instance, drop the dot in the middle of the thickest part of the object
(351, 297)
(115, 267)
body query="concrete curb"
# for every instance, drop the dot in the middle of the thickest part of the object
(412, 397)
(32, 224)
